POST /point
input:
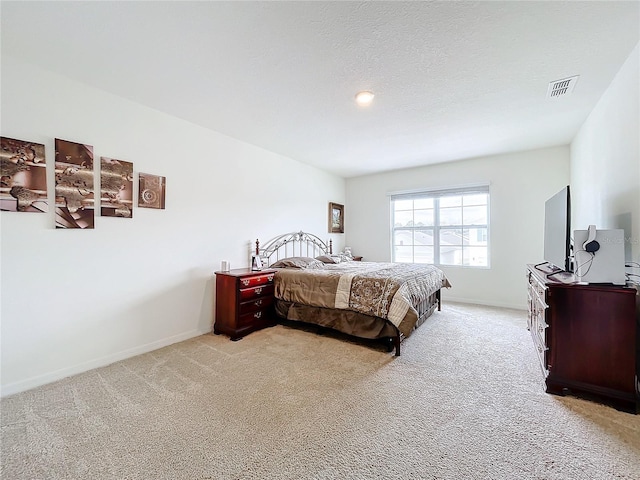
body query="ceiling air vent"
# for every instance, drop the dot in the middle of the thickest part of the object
(560, 88)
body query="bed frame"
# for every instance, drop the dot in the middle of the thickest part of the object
(304, 244)
(294, 244)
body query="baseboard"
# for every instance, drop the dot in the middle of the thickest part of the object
(481, 302)
(33, 382)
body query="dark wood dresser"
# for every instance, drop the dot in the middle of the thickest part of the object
(587, 340)
(244, 302)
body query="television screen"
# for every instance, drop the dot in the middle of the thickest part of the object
(557, 230)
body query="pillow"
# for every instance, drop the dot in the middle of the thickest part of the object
(297, 262)
(328, 259)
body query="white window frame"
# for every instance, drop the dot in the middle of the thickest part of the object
(436, 195)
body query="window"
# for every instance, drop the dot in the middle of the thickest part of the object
(444, 227)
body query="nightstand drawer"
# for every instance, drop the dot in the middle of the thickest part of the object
(260, 291)
(258, 280)
(255, 304)
(252, 318)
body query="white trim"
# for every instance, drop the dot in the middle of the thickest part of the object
(50, 377)
(447, 299)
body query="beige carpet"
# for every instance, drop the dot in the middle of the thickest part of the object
(464, 401)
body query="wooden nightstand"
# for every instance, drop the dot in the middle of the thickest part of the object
(357, 259)
(244, 302)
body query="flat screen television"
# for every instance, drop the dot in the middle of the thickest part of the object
(557, 231)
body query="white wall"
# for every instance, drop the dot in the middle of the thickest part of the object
(76, 299)
(520, 183)
(605, 161)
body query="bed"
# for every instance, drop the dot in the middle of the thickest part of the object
(368, 300)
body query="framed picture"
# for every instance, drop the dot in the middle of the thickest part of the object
(336, 218)
(256, 262)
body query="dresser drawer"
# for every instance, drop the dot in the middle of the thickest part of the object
(258, 280)
(539, 289)
(259, 291)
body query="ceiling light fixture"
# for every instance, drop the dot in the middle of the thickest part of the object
(364, 98)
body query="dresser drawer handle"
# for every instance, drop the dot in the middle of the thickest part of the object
(257, 314)
(270, 278)
(245, 282)
(258, 290)
(257, 303)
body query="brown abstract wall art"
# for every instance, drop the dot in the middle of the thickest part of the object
(74, 185)
(116, 188)
(151, 193)
(23, 172)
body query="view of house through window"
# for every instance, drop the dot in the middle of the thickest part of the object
(445, 227)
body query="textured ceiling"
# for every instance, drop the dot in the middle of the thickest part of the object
(452, 80)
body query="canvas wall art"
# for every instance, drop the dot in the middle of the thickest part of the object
(116, 188)
(23, 172)
(74, 185)
(151, 192)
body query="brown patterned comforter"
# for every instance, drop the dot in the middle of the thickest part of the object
(385, 290)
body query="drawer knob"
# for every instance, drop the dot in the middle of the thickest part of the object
(258, 290)
(257, 314)
(270, 278)
(257, 303)
(245, 282)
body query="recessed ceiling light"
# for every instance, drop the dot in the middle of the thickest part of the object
(364, 98)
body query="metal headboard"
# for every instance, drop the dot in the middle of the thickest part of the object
(294, 244)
